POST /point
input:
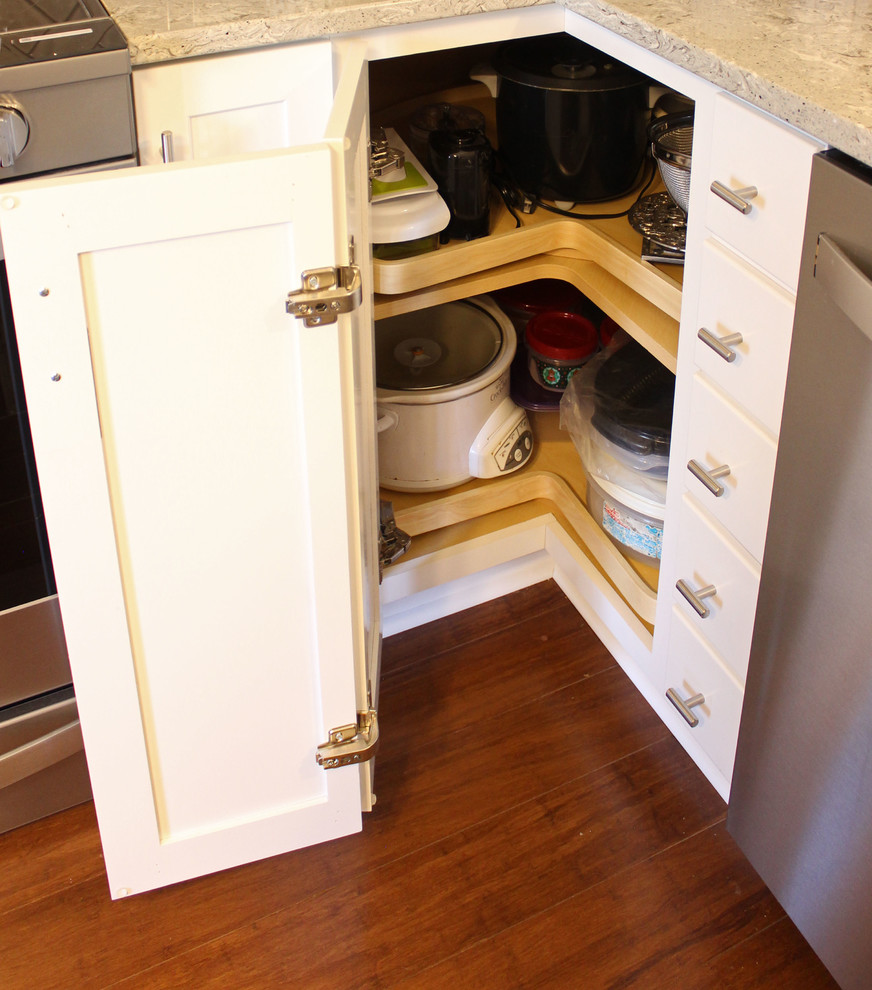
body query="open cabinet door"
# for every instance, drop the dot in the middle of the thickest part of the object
(348, 129)
(197, 450)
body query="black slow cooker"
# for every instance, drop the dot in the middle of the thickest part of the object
(571, 121)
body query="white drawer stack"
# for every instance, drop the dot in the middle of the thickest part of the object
(750, 264)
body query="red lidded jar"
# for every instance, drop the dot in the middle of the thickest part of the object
(558, 344)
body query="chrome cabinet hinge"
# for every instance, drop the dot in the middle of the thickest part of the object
(326, 293)
(355, 743)
(384, 159)
(392, 541)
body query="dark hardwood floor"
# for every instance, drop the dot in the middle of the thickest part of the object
(536, 827)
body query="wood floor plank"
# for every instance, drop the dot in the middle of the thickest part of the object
(533, 825)
(427, 793)
(500, 761)
(658, 924)
(41, 859)
(408, 916)
(777, 957)
(443, 693)
(464, 628)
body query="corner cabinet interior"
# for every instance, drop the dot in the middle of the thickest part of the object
(681, 631)
(210, 463)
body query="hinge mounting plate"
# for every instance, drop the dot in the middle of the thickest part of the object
(326, 293)
(392, 541)
(347, 744)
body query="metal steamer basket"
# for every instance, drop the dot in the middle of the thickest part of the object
(671, 145)
(661, 218)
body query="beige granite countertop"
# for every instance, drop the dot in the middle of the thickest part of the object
(808, 62)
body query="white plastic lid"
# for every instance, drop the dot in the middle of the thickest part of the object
(407, 218)
(632, 500)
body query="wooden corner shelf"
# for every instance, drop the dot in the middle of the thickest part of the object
(553, 481)
(601, 258)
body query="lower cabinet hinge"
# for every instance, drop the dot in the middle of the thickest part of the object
(392, 541)
(354, 743)
(326, 293)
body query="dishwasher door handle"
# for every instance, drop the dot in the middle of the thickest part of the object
(848, 286)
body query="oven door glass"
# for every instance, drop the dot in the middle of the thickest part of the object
(25, 565)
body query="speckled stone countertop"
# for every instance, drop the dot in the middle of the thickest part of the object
(808, 62)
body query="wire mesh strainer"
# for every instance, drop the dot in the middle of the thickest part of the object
(671, 142)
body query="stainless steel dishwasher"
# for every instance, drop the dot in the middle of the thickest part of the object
(65, 105)
(801, 800)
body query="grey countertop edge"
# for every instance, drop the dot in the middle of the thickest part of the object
(329, 20)
(758, 84)
(757, 81)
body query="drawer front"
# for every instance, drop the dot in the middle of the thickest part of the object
(708, 558)
(736, 299)
(751, 148)
(693, 669)
(722, 437)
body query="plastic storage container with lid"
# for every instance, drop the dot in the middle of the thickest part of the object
(618, 411)
(632, 519)
(633, 395)
(558, 344)
(543, 295)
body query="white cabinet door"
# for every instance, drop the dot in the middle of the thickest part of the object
(738, 299)
(233, 104)
(209, 524)
(753, 151)
(722, 436)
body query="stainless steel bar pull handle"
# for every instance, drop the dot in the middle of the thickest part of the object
(722, 346)
(739, 199)
(695, 598)
(847, 285)
(684, 707)
(166, 146)
(709, 477)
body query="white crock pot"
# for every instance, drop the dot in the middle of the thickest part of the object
(444, 410)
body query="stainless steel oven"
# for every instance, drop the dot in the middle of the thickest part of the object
(65, 106)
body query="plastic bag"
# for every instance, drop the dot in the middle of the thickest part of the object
(618, 411)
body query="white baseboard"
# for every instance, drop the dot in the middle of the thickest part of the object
(426, 588)
(450, 580)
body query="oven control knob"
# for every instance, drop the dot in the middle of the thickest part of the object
(14, 132)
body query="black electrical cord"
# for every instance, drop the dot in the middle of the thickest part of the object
(604, 216)
(512, 196)
(506, 194)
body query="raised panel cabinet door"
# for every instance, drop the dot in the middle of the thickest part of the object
(767, 165)
(197, 455)
(707, 557)
(731, 465)
(348, 128)
(737, 300)
(694, 670)
(224, 105)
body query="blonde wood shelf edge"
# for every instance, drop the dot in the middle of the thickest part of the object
(601, 257)
(582, 237)
(524, 488)
(655, 330)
